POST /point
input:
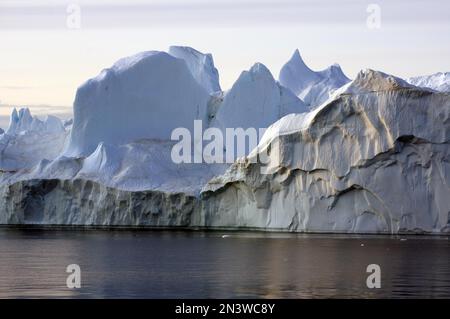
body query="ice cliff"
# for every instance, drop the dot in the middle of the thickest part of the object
(375, 159)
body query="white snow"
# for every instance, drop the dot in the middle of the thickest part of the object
(312, 87)
(201, 66)
(438, 81)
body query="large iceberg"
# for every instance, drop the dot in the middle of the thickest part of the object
(373, 157)
(312, 87)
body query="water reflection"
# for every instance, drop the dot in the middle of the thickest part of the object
(176, 264)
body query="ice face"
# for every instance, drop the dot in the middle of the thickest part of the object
(142, 96)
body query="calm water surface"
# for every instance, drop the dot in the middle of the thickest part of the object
(190, 264)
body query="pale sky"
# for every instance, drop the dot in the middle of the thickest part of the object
(43, 61)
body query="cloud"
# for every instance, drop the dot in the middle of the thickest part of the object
(139, 14)
(16, 87)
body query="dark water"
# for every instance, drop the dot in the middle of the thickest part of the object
(177, 264)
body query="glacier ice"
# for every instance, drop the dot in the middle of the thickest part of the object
(312, 87)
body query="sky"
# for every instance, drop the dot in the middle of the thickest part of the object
(48, 48)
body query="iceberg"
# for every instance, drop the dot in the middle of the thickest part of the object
(29, 140)
(371, 156)
(438, 81)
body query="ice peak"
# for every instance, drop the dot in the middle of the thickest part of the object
(259, 68)
(14, 115)
(380, 79)
(312, 87)
(201, 66)
(257, 72)
(19, 121)
(23, 121)
(369, 80)
(296, 68)
(335, 71)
